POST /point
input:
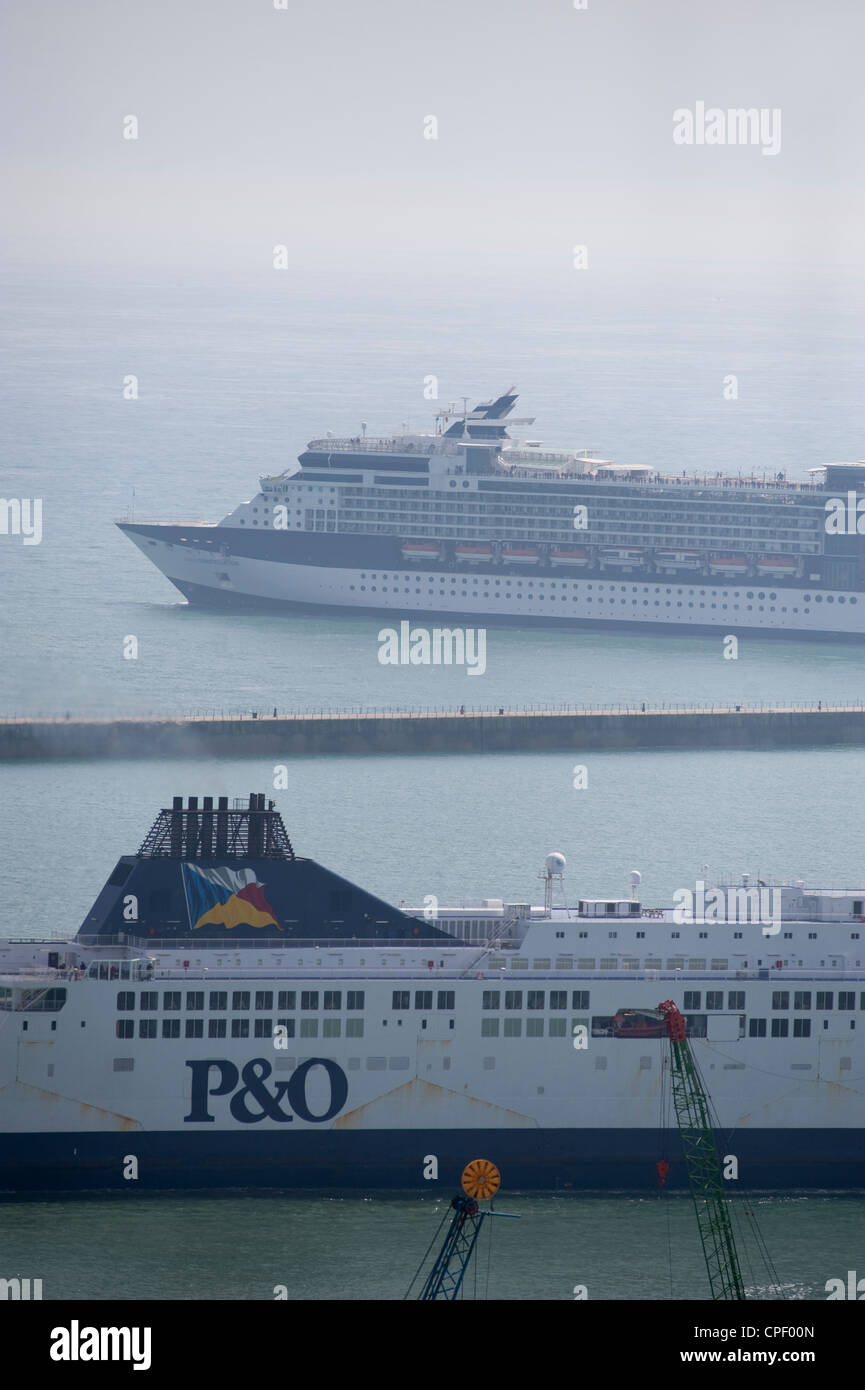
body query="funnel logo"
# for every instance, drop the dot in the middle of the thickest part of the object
(226, 898)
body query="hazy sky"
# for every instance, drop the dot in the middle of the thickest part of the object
(305, 126)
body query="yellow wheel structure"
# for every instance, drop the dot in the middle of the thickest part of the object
(481, 1179)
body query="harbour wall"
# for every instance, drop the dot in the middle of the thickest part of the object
(475, 731)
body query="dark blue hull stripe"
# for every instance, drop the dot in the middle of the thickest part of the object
(534, 1159)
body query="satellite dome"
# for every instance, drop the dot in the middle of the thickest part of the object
(555, 864)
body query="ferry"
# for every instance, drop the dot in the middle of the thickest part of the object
(467, 522)
(232, 1014)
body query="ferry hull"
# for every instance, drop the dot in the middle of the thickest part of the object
(589, 1160)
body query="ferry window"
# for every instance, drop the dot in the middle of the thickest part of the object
(195, 1027)
(558, 1027)
(309, 998)
(513, 1027)
(171, 1000)
(264, 999)
(147, 1028)
(262, 1028)
(287, 1027)
(780, 999)
(862, 1001)
(780, 1027)
(692, 998)
(446, 998)
(801, 1027)
(536, 999)
(534, 1027)
(240, 1027)
(675, 935)
(355, 999)
(757, 1027)
(240, 1000)
(171, 1028)
(124, 1028)
(490, 1027)
(194, 999)
(149, 1000)
(513, 999)
(559, 999)
(354, 1028)
(846, 999)
(802, 999)
(423, 999)
(125, 1001)
(309, 1027)
(825, 999)
(580, 999)
(401, 998)
(218, 999)
(331, 1028)
(714, 999)
(286, 998)
(216, 1028)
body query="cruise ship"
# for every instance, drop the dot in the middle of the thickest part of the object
(231, 1014)
(470, 523)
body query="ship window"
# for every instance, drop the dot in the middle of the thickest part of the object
(195, 999)
(195, 1027)
(558, 1027)
(124, 1028)
(262, 1028)
(332, 999)
(536, 999)
(263, 999)
(692, 998)
(580, 997)
(355, 999)
(736, 999)
(240, 1001)
(489, 1028)
(423, 999)
(559, 999)
(286, 999)
(445, 999)
(309, 998)
(513, 999)
(780, 999)
(171, 1000)
(825, 999)
(149, 1000)
(802, 999)
(286, 1026)
(331, 1028)
(401, 998)
(124, 1063)
(513, 1027)
(714, 999)
(846, 999)
(217, 1027)
(309, 1027)
(354, 1028)
(757, 1027)
(801, 1027)
(147, 1028)
(171, 1028)
(126, 1001)
(780, 1027)
(240, 1027)
(534, 1027)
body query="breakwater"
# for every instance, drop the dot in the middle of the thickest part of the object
(432, 731)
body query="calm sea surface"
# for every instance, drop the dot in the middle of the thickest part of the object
(234, 379)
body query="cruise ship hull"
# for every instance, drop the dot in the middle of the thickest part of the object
(366, 575)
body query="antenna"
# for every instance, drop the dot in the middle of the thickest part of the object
(554, 868)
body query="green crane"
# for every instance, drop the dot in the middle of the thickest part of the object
(702, 1162)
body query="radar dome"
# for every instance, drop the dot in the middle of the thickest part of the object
(555, 863)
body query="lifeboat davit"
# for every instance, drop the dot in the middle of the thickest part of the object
(569, 556)
(728, 564)
(779, 565)
(627, 557)
(520, 554)
(479, 554)
(421, 550)
(678, 559)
